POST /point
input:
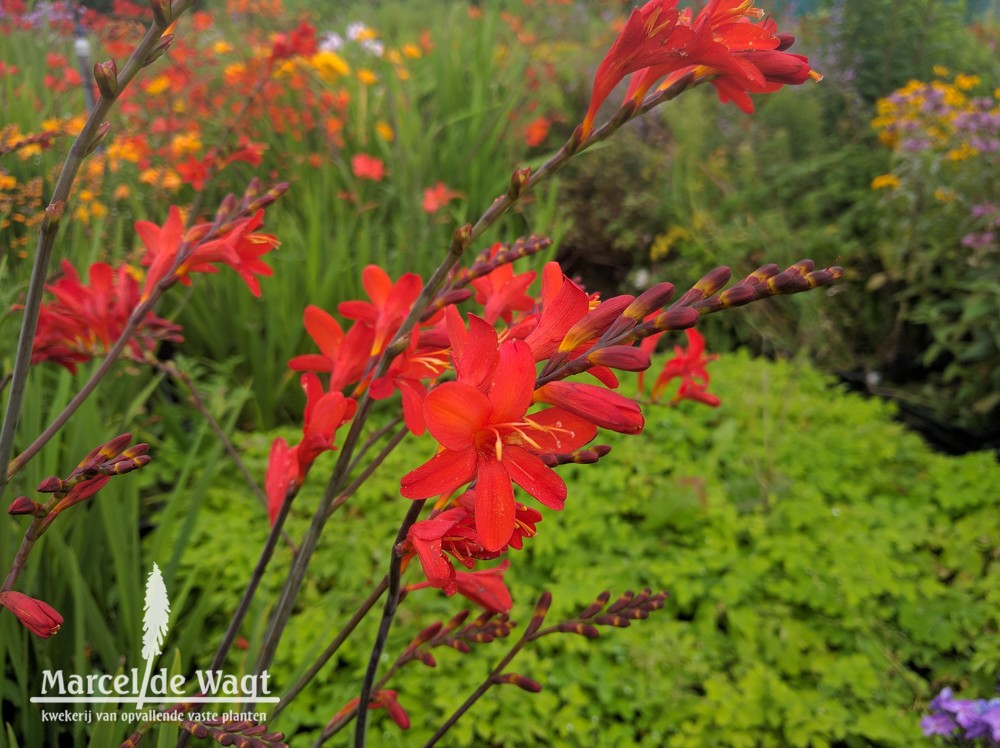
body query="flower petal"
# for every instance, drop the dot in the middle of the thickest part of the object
(442, 473)
(454, 412)
(531, 474)
(513, 383)
(494, 505)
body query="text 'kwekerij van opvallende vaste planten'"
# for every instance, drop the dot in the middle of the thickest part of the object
(495, 368)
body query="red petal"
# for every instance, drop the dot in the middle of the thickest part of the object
(442, 473)
(455, 412)
(531, 474)
(513, 383)
(324, 330)
(494, 505)
(559, 431)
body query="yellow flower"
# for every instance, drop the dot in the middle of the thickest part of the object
(158, 85)
(29, 151)
(965, 82)
(221, 47)
(98, 209)
(412, 51)
(7, 182)
(402, 73)
(52, 123)
(367, 76)
(233, 73)
(86, 195)
(329, 65)
(122, 151)
(940, 71)
(184, 143)
(665, 242)
(394, 57)
(883, 181)
(945, 196)
(385, 131)
(122, 191)
(963, 152)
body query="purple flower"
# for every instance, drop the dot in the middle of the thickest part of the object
(938, 724)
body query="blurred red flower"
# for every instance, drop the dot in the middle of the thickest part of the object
(438, 196)
(367, 167)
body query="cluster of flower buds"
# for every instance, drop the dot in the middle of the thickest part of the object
(244, 733)
(494, 389)
(629, 607)
(90, 476)
(485, 628)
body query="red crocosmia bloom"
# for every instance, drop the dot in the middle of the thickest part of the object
(384, 699)
(38, 617)
(484, 587)
(438, 196)
(282, 474)
(501, 292)
(688, 365)
(325, 413)
(300, 42)
(489, 438)
(367, 167)
(598, 405)
(389, 305)
(453, 533)
(407, 374)
(648, 38)
(84, 321)
(562, 307)
(344, 356)
(240, 248)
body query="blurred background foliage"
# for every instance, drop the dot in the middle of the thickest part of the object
(828, 572)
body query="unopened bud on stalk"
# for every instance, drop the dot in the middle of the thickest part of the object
(24, 505)
(157, 52)
(102, 132)
(162, 12)
(737, 296)
(226, 208)
(620, 622)
(52, 484)
(462, 236)
(649, 301)
(680, 318)
(106, 77)
(594, 323)
(272, 194)
(521, 681)
(712, 282)
(518, 180)
(538, 616)
(621, 602)
(623, 357)
(597, 606)
(788, 282)
(583, 629)
(760, 275)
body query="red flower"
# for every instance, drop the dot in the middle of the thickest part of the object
(688, 365)
(385, 699)
(367, 167)
(488, 437)
(484, 587)
(84, 321)
(501, 292)
(40, 618)
(389, 305)
(240, 248)
(344, 356)
(647, 39)
(300, 42)
(598, 405)
(282, 474)
(438, 196)
(537, 131)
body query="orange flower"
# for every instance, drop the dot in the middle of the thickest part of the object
(438, 196)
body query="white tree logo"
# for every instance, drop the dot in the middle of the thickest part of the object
(155, 619)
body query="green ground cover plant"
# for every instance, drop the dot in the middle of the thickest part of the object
(827, 573)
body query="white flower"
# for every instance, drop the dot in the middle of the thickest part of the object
(374, 46)
(331, 42)
(357, 30)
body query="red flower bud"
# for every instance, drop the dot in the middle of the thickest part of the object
(521, 681)
(24, 505)
(40, 618)
(601, 407)
(106, 77)
(623, 357)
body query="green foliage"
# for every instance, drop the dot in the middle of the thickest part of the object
(828, 574)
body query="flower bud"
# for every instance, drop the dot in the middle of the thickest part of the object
(40, 618)
(462, 236)
(157, 52)
(518, 181)
(679, 318)
(583, 629)
(521, 681)
(594, 323)
(787, 282)
(713, 281)
(538, 615)
(620, 622)
(621, 602)
(106, 77)
(52, 484)
(102, 132)
(624, 357)
(649, 301)
(737, 296)
(597, 606)
(24, 505)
